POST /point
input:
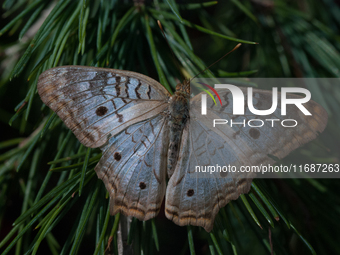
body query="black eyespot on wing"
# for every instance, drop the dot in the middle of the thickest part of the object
(142, 185)
(223, 174)
(101, 110)
(254, 133)
(190, 192)
(117, 156)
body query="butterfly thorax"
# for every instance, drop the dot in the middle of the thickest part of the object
(179, 114)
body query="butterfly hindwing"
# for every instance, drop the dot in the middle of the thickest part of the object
(133, 168)
(195, 198)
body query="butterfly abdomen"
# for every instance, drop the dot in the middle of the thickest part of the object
(179, 114)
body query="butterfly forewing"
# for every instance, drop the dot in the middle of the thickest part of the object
(272, 138)
(96, 103)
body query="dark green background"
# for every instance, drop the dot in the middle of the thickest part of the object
(296, 39)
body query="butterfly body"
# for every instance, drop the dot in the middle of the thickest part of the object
(179, 115)
(144, 132)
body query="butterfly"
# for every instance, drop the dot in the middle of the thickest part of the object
(147, 135)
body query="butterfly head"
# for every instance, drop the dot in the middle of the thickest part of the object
(183, 88)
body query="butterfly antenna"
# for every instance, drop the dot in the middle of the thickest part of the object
(235, 48)
(172, 53)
